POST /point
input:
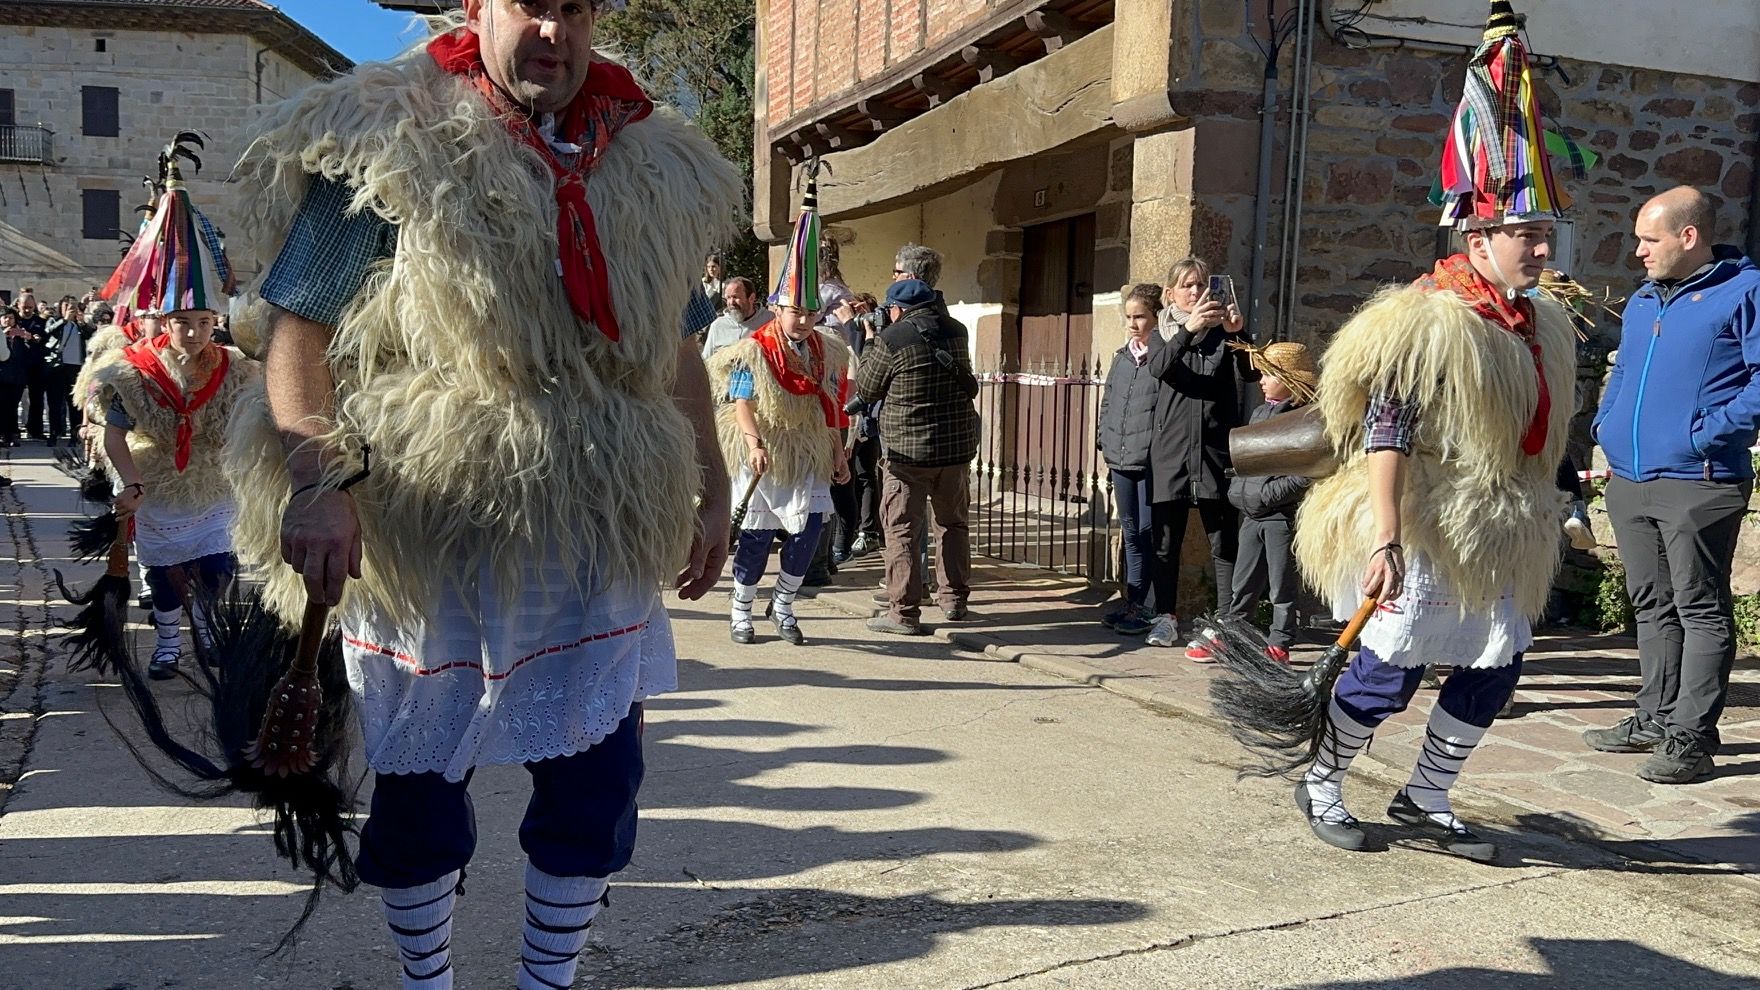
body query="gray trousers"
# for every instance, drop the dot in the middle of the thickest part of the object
(1264, 568)
(1677, 539)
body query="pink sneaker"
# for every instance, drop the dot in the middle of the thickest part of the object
(1198, 651)
(1277, 653)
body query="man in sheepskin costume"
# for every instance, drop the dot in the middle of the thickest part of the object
(485, 246)
(782, 390)
(1447, 401)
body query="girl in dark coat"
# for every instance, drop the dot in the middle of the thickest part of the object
(1127, 424)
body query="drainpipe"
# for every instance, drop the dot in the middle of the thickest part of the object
(1262, 197)
(259, 60)
(1754, 206)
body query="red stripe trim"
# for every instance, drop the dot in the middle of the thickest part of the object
(421, 671)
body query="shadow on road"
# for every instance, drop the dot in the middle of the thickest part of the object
(1571, 963)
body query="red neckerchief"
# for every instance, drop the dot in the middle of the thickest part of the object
(1456, 274)
(166, 392)
(780, 355)
(608, 100)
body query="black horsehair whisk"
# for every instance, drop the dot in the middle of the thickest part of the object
(1280, 714)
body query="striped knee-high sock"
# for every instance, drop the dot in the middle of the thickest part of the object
(420, 919)
(168, 644)
(740, 604)
(559, 910)
(787, 587)
(1325, 778)
(1448, 742)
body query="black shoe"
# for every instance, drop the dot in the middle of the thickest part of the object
(5, 481)
(791, 633)
(1681, 758)
(1457, 838)
(162, 670)
(1632, 734)
(887, 624)
(816, 579)
(741, 634)
(1346, 835)
(145, 601)
(955, 612)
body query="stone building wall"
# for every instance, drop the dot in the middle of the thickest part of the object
(1375, 141)
(167, 81)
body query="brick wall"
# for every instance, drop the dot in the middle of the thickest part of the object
(204, 82)
(816, 50)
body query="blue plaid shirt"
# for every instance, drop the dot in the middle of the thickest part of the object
(328, 254)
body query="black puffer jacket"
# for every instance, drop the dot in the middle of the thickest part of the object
(1199, 402)
(1127, 409)
(1264, 496)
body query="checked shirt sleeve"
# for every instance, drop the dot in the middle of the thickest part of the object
(1389, 423)
(327, 255)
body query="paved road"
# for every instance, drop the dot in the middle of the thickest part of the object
(864, 814)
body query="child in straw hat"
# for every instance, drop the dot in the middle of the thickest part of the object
(1266, 564)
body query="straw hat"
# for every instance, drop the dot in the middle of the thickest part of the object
(1290, 362)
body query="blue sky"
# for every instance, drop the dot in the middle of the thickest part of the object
(360, 29)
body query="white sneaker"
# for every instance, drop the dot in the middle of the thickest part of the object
(1581, 536)
(1165, 633)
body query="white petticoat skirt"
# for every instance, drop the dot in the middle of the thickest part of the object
(550, 675)
(165, 536)
(776, 507)
(1426, 625)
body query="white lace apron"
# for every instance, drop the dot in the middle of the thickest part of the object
(1425, 624)
(165, 536)
(775, 506)
(550, 675)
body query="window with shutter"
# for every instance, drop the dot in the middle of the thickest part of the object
(8, 115)
(101, 213)
(99, 114)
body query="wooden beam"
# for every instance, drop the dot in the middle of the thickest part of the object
(989, 62)
(937, 89)
(1053, 28)
(840, 138)
(882, 115)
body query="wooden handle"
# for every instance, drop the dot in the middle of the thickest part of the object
(116, 565)
(311, 636)
(746, 499)
(1354, 628)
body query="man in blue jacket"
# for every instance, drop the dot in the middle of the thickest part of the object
(1681, 411)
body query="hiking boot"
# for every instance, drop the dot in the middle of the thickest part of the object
(1632, 734)
(887, 624)
(1681, 758)
(955, 612)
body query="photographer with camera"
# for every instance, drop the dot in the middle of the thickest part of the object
(920, 366)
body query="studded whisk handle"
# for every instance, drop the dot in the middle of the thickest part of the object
(287, 741)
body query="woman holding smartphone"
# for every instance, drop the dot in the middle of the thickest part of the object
(1199, 402)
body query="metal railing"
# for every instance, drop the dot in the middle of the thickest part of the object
(1041, 494)
(19, 143)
